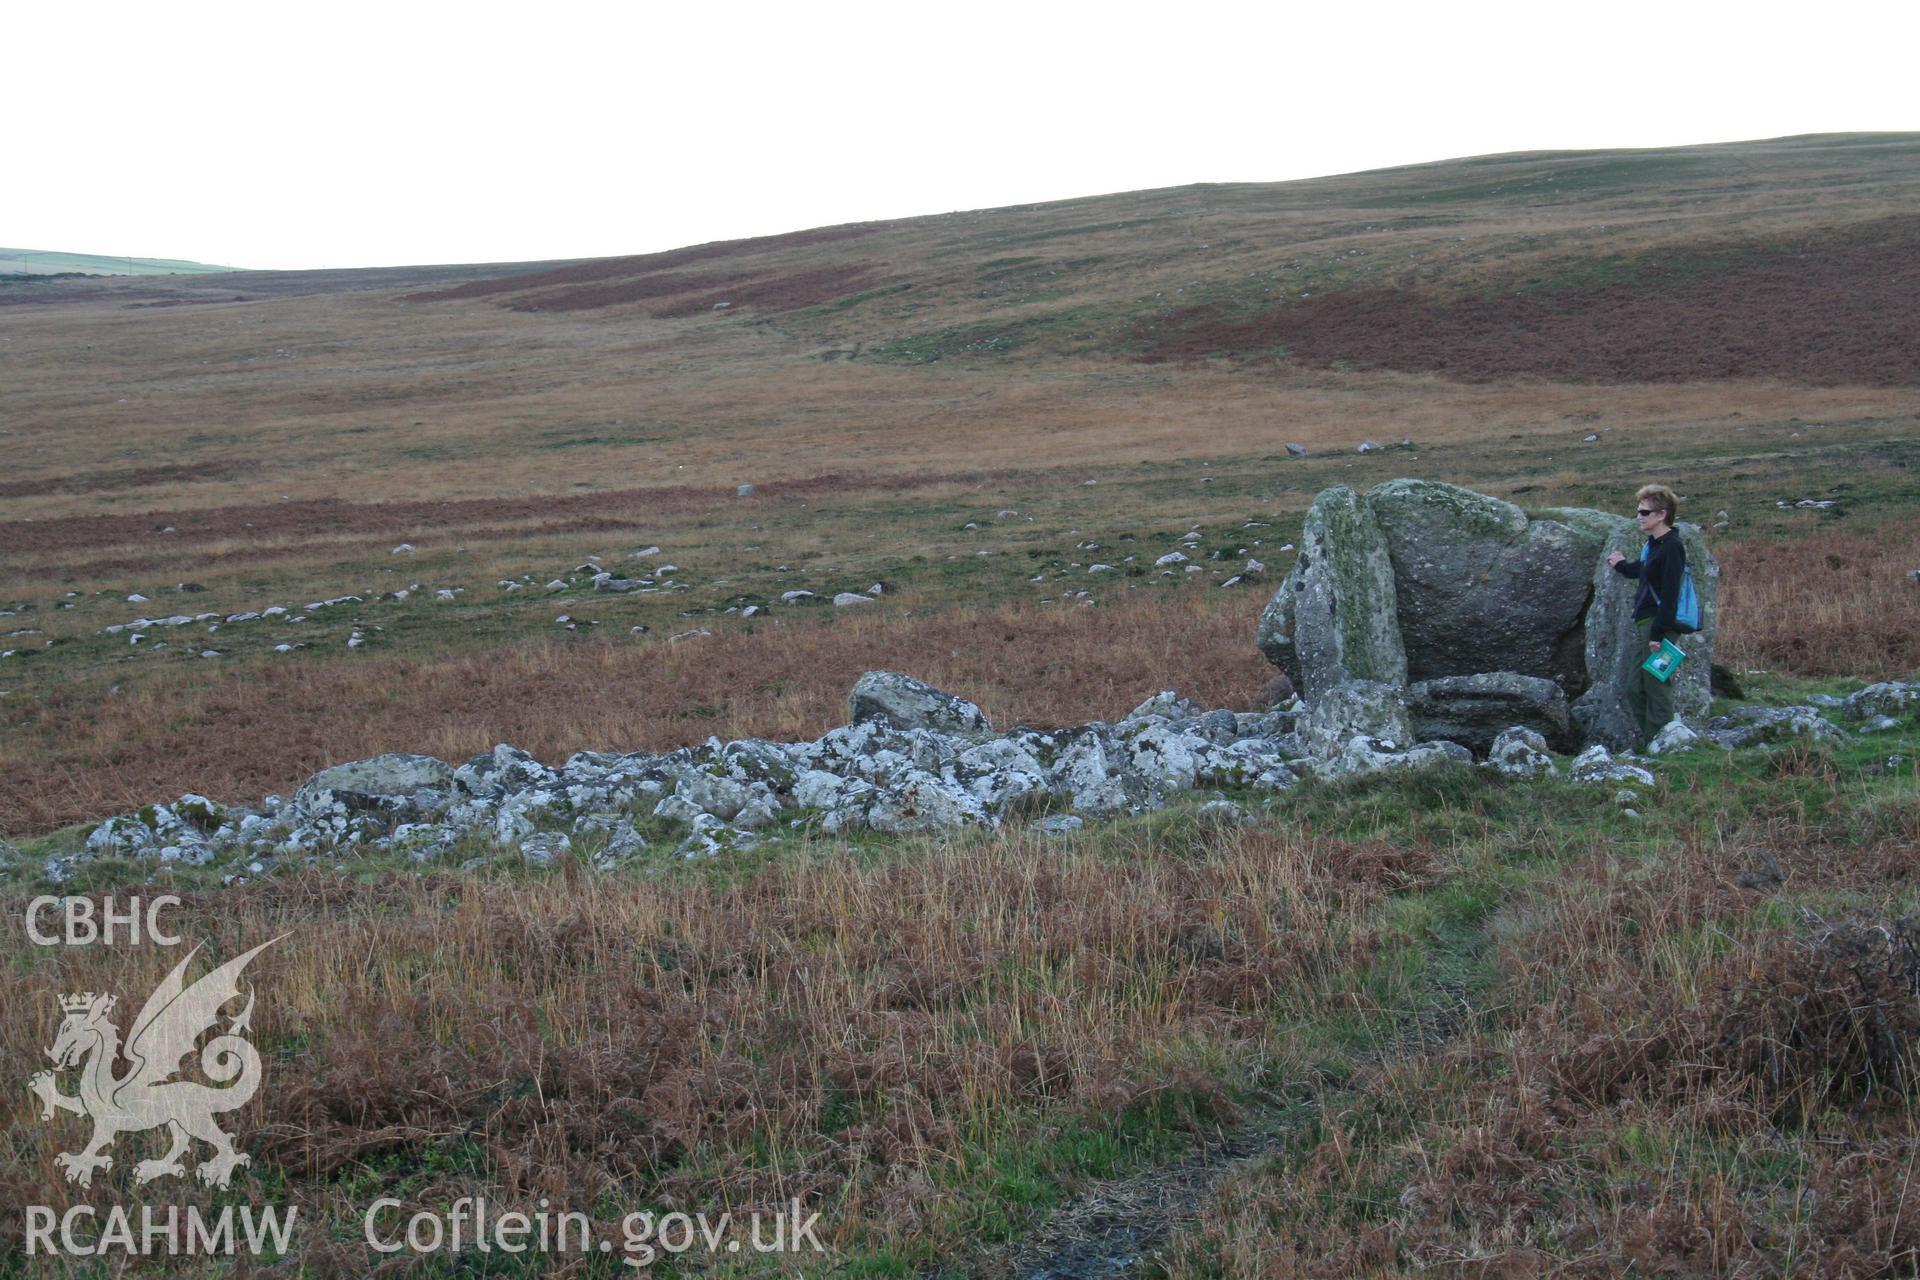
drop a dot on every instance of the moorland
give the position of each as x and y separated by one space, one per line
1453 1022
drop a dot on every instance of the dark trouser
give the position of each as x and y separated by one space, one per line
1650 700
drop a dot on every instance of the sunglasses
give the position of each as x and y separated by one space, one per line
1643 512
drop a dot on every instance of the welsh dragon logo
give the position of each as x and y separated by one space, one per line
147 1097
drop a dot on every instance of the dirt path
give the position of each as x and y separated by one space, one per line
1113 1228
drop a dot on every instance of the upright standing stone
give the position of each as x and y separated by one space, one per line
1614 651
1335 618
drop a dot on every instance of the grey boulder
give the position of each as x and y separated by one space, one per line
395 784
1482 587
907 703
1351 708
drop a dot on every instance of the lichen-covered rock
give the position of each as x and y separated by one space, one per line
922 802
503 769
1166 754
1888 698
720 796
1165 705
1677 735
677 808
1335 616
853 749
517 814
1092 774
393 784
907 703
543 848
1252 762
1472 710
1753 726
1355 708
1004 774
1596 764
1363 755
1481 587
820 789
1520 752
756 760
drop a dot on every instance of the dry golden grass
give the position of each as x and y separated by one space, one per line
1836 605
1672 1085
822 1029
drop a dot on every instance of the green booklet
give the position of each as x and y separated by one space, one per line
1662 663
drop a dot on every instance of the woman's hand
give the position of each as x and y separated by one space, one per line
1653 646
1615 558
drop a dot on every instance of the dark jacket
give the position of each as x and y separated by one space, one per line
1659 576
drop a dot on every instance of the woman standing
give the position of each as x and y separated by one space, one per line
1659 571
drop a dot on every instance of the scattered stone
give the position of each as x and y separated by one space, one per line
1368 446
1296 451
1675 735
1059 824
743 491
851 597
1888 698
795 597
404 549
1755 726
1596 764
543 848
1520 753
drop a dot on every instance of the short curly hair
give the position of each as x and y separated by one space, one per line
1658 495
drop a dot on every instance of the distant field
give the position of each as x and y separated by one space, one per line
39 262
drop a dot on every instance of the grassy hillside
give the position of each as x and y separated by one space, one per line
40 262
1447 1023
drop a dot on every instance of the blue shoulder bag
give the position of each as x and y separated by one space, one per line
1686 613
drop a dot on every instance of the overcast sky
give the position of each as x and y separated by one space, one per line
353 134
